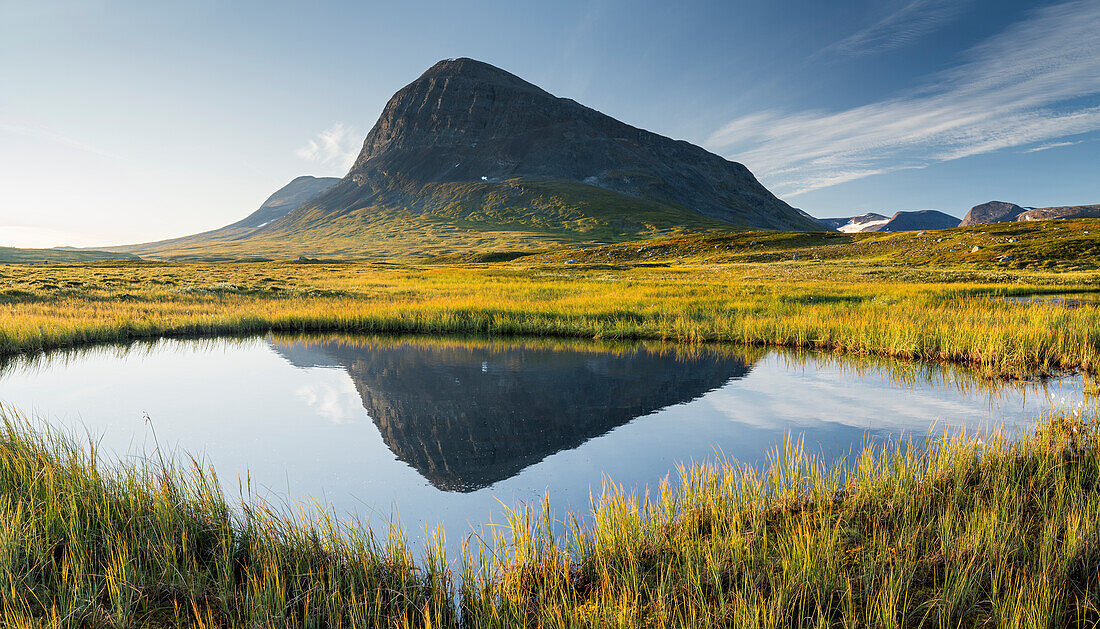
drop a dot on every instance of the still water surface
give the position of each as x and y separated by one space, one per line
451 432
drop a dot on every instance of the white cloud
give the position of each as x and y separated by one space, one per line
336 401
904 24
338 145
1036 82
1051 145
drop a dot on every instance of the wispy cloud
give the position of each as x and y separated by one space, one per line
1036 82
906 22
1051 145
55 138
338 146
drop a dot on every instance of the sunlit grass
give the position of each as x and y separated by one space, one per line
942 315
88 543
1051 245
955 532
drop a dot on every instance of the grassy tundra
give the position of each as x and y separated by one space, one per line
935 313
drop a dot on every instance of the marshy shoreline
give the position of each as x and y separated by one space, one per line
960 530
943 315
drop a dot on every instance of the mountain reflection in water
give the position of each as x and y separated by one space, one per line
466 416
457 433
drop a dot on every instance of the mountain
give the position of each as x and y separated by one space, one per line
464 120
992 212
1065 211
919 220
285 200
469 156
1002 212
282 202
863 222
466 415
916 220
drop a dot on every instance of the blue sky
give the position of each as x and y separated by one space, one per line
130 121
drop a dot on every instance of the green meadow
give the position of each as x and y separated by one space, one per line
993 318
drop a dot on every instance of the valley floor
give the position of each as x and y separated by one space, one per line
988 318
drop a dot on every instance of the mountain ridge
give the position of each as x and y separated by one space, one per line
1004 212
286 199
904 220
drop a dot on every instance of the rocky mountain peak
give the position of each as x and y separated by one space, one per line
468 121
455 103
992 212
464 68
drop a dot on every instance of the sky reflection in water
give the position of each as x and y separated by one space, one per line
452 431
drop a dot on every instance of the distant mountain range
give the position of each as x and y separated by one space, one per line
917 220
1003 212
469 156
991 212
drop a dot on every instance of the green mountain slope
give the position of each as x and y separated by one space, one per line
518 215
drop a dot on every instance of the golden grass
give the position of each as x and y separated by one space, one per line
932 314
955 532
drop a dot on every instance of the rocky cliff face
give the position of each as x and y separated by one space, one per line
467 121
1002 212
992 212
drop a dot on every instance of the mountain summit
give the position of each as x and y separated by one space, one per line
470 157
464 120
468 121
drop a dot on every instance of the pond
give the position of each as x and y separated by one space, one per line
451 432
